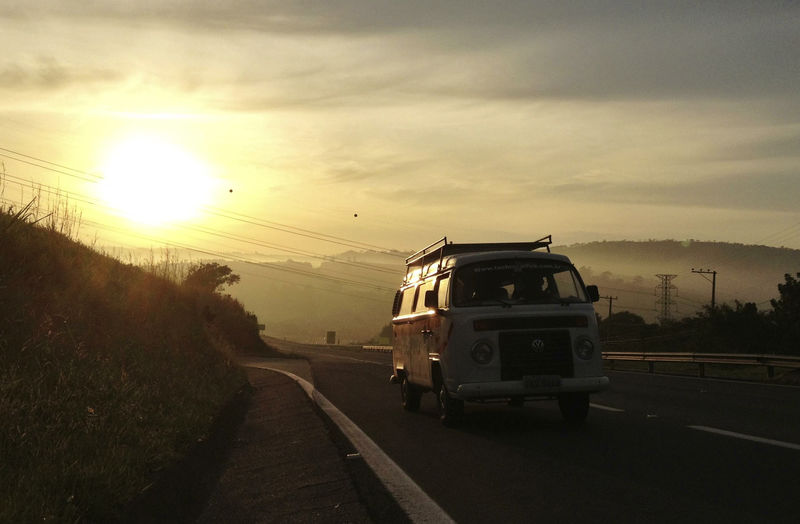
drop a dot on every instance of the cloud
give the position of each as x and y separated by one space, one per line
766 191
48 74
515 51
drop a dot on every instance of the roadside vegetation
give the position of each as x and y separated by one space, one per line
109 373
738 328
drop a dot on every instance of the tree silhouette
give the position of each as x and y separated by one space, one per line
786 312
209 277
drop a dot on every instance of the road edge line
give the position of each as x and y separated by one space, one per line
743 436
606 408
409 496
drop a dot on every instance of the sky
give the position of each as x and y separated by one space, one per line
391 124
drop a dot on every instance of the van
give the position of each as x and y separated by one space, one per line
505 322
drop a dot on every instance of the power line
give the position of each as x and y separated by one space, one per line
337 279
73 175
341 280
61 193
712 272
315 288
610 302
277 225
636 291
324 237
62 166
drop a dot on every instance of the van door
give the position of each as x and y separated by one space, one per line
403 330
425 327
435 328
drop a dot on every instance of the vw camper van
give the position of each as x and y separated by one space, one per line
504 322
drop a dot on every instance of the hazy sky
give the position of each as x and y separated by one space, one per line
485 121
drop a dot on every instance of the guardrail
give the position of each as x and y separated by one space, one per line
701 359
382 349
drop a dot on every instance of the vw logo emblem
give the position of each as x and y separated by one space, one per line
537 345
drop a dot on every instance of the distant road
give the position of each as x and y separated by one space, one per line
655 448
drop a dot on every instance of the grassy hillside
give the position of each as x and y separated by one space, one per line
108 374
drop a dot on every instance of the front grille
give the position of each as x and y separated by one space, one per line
535 353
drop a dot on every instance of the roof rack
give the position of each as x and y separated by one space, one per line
429 254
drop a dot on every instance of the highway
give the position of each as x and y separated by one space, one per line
654 449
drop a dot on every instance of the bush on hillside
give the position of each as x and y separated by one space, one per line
225 316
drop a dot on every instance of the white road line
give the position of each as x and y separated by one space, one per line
742 436
361 360
607 408
415 502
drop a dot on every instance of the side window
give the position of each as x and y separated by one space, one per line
398 297
407 301
444 291
426 286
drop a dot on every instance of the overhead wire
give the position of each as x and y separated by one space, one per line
172 243
324 237
85 199
220 255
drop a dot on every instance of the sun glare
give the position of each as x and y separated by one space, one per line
154 182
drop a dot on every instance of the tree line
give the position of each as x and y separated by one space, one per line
737 328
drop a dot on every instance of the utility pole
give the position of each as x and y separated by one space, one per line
665 298
610 302
713 274
608 326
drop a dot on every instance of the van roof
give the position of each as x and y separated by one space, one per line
431 259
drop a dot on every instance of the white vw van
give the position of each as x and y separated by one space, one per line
495 322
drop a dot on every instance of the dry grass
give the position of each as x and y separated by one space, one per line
108 373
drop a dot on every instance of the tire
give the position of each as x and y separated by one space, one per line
409 395
451 410
574 407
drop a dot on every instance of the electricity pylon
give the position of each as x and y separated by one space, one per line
665 298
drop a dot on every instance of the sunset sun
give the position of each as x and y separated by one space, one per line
154 182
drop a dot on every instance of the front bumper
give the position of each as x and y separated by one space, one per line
517 388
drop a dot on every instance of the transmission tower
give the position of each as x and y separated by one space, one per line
664 291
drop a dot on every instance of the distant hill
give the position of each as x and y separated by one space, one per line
301 300
627 269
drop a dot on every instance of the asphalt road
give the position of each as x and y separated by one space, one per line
654 449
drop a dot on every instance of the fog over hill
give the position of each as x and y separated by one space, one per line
351 293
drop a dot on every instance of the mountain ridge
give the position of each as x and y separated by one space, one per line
305 306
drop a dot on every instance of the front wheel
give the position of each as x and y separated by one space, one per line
574 407
409 395
451 410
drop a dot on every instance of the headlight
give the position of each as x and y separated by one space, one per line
584 348
482 352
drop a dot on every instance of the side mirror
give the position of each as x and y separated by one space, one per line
431 299
594 293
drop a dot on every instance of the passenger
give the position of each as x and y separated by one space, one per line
532 287
489 291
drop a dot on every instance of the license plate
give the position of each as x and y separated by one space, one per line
541 381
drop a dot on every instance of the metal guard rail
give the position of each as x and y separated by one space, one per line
770 361
701 359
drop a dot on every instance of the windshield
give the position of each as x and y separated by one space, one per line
515 281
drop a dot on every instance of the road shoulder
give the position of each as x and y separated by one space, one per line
283 465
